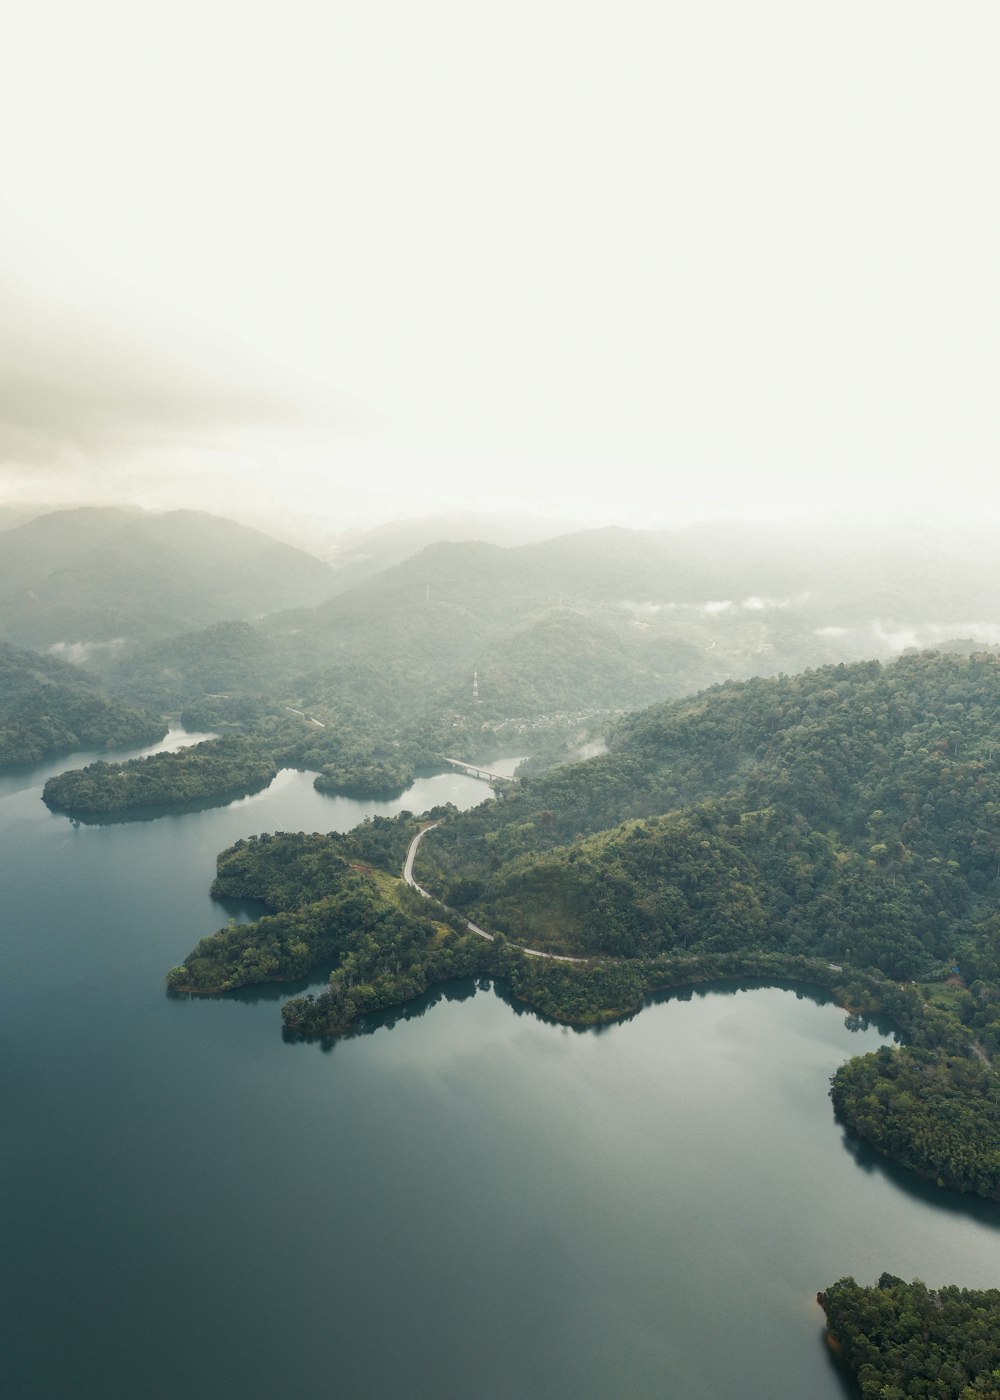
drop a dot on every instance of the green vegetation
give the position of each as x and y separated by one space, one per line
237 763
847 812
326 905
938 1114
903 1341
837 827
313 886
229 767
47 706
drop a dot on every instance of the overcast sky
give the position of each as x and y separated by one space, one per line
367 257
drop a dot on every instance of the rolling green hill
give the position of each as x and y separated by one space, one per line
849 811
48 706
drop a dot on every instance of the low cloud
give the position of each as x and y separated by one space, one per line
899 637
757 604
88 385
81 652
929 634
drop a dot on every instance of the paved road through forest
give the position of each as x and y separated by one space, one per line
473 928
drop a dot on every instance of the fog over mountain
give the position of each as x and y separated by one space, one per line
72 580
370 261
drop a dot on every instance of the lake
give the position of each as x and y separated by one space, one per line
471 1203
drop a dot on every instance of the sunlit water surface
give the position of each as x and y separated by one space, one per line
472 1203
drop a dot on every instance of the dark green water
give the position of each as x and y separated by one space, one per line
470 1204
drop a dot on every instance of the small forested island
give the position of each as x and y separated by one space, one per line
901 1340
241 761
231 766
836 828
48 706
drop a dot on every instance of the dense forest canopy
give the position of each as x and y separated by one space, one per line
230 766
331 899
903 1341
849 811
48 706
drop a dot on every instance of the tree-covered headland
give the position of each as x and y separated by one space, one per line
837 827
331 900
904 1341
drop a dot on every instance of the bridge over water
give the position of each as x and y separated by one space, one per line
476 770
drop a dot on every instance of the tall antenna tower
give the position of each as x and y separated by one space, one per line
475 686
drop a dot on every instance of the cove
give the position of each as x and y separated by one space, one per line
473 1202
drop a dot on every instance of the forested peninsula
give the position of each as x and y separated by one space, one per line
905 1341
837 827
331 899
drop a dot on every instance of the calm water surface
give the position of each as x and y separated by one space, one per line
472 1203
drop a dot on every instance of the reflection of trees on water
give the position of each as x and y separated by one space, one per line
463 989
918 1188
165 811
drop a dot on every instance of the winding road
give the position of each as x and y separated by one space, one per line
473 928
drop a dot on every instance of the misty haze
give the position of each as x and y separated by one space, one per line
499 701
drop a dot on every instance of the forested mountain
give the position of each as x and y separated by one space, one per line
669 611
328 901
101 575
601 619
48 706
848 811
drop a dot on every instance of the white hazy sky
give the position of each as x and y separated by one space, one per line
657 260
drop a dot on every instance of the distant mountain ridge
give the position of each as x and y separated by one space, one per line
98 574
595 620
358 555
